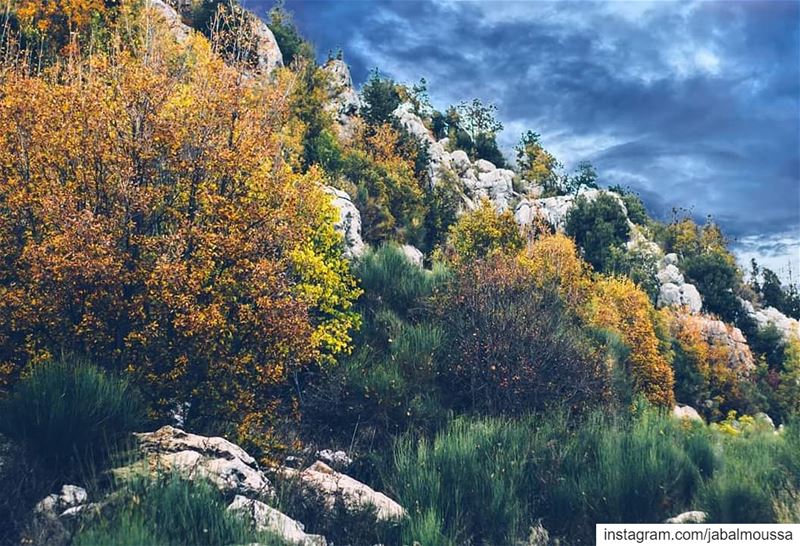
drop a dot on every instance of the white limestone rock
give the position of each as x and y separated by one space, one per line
172 18
483 166
343 101
268 54
355 495
694 516
686 412
223 463
413 254
670 274
336 459
349 224
788 327
268 519
460 162
57 504
683 295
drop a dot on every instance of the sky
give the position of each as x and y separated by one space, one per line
691 104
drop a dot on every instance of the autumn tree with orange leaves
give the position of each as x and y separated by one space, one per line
150 216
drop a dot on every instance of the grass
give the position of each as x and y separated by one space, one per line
489 481
169 510
70 415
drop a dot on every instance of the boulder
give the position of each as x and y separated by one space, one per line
686 412
669 259
349 224
267 519
694 516
343 101
483 166
413 254
51 523
669 274
726 337
683 295
460 162
69 498
223 463
355 495
172 18
336 459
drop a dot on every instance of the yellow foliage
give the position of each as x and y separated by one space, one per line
150 216
619 305
553 261
484 231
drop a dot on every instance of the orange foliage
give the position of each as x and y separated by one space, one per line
149 218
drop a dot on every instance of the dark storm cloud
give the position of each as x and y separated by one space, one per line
691 104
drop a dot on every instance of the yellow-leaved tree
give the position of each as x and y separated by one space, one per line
151 216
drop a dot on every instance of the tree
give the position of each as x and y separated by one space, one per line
598 226
537 165
772 290
292 45
380 99
617 304
585 175
716 278
484 231
474 129
150 216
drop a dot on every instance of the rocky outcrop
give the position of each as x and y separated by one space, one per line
694 516
216 459
54 516
674 292
349 223
725 337
267 519
267 54
769 316
343 102
355 495
555 209
172 18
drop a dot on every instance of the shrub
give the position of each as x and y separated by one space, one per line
70 415
598 226
706 372
617 304
388 384
553 263
169 510
511 346
483 231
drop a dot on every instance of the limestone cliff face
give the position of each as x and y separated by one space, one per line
178 16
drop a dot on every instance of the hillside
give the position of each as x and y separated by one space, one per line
242 301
